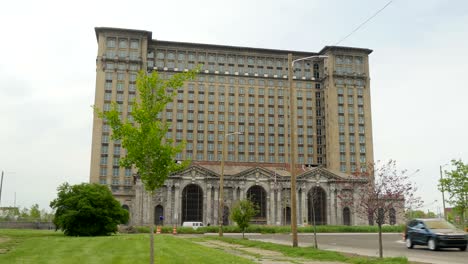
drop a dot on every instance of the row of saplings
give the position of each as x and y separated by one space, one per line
91 210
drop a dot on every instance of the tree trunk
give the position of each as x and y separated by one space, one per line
152 243
243 230
315 227
152 216
380 241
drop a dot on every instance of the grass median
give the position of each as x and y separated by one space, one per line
34 246
309 252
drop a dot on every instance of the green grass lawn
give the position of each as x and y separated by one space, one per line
35 246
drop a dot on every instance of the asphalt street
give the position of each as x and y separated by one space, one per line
367 244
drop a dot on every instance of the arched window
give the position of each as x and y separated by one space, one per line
257 195
317 206
126 208
192 203
346 216
159 215
226 216
392 216
287 215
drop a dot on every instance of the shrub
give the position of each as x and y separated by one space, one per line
87 210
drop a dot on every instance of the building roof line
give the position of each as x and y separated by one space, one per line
237 48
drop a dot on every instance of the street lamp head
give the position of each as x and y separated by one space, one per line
310 57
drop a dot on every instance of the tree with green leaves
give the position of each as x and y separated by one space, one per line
87 210
382 190
242 213
147 148
456 184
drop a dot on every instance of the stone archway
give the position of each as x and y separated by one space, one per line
226 216
128 210
192 203
346 216
257 195
392 216
158 215
287 215
317 206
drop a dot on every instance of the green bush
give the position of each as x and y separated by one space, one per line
87 210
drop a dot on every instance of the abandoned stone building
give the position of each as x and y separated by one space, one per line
239 101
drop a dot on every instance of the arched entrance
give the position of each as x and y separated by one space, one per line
192 204
226 216
128 210
392 216
257 195
159 215
287 215
346 216
317 206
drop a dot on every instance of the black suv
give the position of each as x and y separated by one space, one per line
435 233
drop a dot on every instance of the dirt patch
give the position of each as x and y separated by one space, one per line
3 240
258 255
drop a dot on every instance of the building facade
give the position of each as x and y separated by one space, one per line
239 90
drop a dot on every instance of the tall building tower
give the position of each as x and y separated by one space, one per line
245 90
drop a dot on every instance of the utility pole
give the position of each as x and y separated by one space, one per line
442 190
292 107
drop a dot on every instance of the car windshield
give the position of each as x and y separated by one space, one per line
439 225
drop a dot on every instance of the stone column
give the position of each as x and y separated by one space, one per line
177 202
234 195
355 220
216 206
333 220
339 211
279 206
208 205
272 206
168 214
304 207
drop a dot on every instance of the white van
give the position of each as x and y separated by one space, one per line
193 225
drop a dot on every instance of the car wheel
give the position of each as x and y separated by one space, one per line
463 248
409 243
432 244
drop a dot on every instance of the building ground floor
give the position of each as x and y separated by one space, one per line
192 195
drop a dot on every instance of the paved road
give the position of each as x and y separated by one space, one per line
367 244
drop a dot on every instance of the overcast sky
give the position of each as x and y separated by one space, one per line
47 75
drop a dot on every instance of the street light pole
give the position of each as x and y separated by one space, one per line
292 107
442 190
292 161
221 185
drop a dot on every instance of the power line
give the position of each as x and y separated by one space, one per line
363 23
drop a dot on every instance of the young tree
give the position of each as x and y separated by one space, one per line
87 210
383 190
456 184
145 142
242 213
34 212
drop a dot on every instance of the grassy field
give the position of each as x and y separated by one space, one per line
34 246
